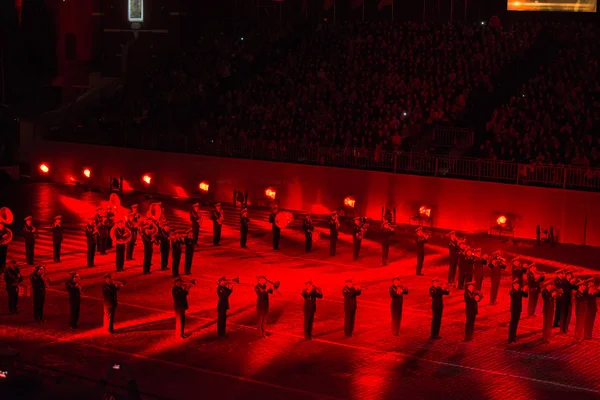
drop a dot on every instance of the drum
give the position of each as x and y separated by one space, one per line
283 219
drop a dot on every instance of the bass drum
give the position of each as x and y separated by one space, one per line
283 219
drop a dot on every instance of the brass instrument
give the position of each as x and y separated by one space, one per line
127 236
7 237
187 285
401 290
388 226
477 294
6 217
362 226
150 229
120 283
234 280
274 284
114 201
283 219
155 212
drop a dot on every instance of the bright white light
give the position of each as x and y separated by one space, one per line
135 10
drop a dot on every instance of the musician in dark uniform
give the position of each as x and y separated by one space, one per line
560 282
30 233
308 228
148 241
190 245
216 217
472 299
549 295
533 283
164 240
196 219
12 277
74 289
103 234
496 265
132 227
90 236
358 231
244 222
136 221
180 293
437 293
592 295
39 283
334 226
120 233
262 303
516 307
453 250
518 271
176 243
110 223
350 294
98 217
570 288
5 238
223 291
276 230
462 252
109 290
421 239
581 310
310 294
479 262
465 267
57 237
397 292
388 229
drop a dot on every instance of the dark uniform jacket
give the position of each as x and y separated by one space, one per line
471 303
397 299
272 220
333 228
592 304
109 290
532 283
57 233
437 297
516 300
244 221
310 300
28 233
262 297
350 294
12 277
73 290
581 301
223 292
89 234
180 298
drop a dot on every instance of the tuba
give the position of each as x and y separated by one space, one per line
114 201
6 217
154 212
127 236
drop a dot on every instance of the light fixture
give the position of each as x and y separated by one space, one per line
87 173
270 193
203 187
44 168
350 202
147 179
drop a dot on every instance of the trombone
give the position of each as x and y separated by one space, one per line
275 284
234 280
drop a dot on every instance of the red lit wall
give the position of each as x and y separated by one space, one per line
457 204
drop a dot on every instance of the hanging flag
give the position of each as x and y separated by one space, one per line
385 3
328 4
356 3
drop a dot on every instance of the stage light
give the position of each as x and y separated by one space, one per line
425 211
147 179
44 168
87 173
350 202
501 220
72 179
270 193
203 187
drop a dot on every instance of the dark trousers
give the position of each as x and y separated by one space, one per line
189 256
3 252
420 260
120 251
38 306
179 321
261 316
243 236
396 320
349 317
216 234
164 254
129 250
478 276
436 322
276 237
547 325
558 311
222 323
515 316
309 318
332 245
469 273
109 317
29 246
102 244
308 242
176 261
91 252
534 295
74 306
356 250
56 246
462 275
385 251
195 231
470 326
13 299
589 325
452 269
580 327
494 290
147 256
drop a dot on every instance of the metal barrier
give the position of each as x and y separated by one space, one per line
453 137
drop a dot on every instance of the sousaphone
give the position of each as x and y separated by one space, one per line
6 217
154 212
283 219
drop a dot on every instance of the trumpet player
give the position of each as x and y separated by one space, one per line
497 265
135 226
308 228
196 219
39 283
518 270
109 291
421 240
164 240
570 287
262 303
334 226
472 299
534 279
350 294
244 223
30 233
217 218
453 251
581 310
562 302
310 294
12 278
74 288
91 234
592 295
57 237
190 245
465 267
120 234
176 243
180 292
149 231
549 295
103 234
397 292
437 293
132 226
275 229
388 229
359 228
516 307
223 291
479 262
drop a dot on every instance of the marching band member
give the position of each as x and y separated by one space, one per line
91 234
217 218
350 293
560 282
176 242
516 307
465 267
74 288
570 287
39 283
30 233
149 231
196 219
518 271
12 277
103 234
244 221
581 310
133 228
110 223
421 239
397 292
453 250
479 262
496 265
437 293
109 290
592 294
388 230
533 282
223 291
136 223
190 245
180 293
5 237
310 294
549 295
57 237
308 228
98 216
334 226
275 229
164 240
120 233
462 251
262 303
359 228
472 299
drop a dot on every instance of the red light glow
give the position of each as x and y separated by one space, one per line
270 193
147 179
44 168
501 220
180 192
72 179
203 187
349 202
425 211
87 173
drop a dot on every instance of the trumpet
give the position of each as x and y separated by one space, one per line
188 284
274 284
229 281
119 283
401 290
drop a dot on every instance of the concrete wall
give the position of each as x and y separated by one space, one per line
457 204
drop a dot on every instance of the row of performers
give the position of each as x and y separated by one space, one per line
585 296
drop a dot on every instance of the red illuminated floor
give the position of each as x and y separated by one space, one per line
372 365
